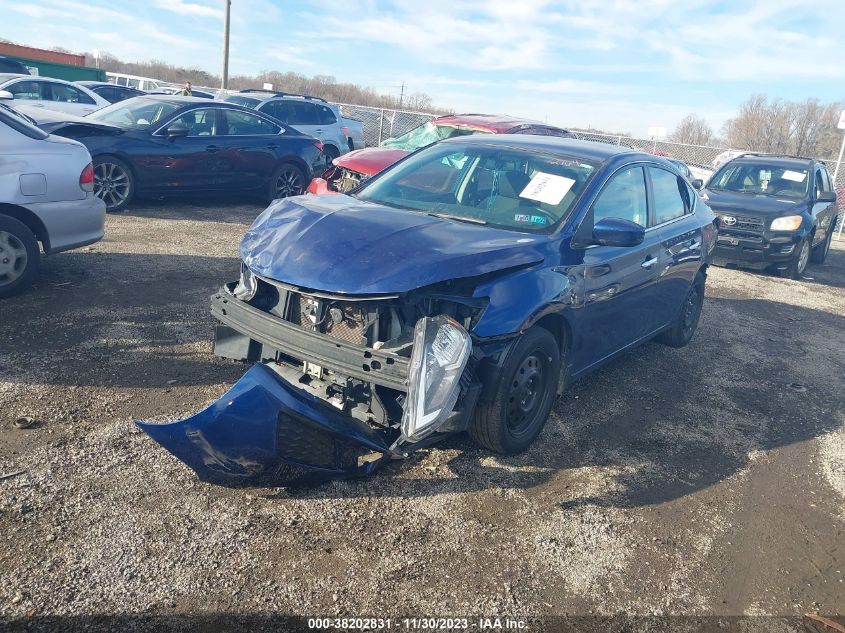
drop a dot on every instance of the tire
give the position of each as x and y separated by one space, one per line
820 252
114 183
330 152
682 330
288 180
798 265
20 256
524 396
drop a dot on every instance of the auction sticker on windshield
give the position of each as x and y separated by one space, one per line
547 188
795 176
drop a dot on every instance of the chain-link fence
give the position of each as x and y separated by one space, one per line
381 124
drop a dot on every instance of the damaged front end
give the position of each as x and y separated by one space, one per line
339 384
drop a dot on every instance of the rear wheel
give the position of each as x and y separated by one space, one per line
19 256
820 252
330 152
687 322
288 180
114 183
526 392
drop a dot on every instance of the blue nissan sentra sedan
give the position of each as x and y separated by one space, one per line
461 289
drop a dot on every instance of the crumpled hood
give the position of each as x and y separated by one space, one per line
370 160
342 245
738 203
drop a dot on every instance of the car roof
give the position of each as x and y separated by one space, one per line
496 123
96 84
8 76
588 150
179 99
777 160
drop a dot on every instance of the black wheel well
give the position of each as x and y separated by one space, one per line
559 327
32 221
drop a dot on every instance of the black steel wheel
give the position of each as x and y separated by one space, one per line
681 332
513 419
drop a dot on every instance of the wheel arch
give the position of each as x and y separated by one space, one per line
31 220
561 329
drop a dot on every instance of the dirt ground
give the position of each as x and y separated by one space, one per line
706 481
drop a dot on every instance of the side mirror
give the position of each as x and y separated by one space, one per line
826 196
177 130
617 232
5 94
697 183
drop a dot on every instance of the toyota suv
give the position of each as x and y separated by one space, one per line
310 115
774 212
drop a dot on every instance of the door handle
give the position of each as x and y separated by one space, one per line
272 146
318 131
213 148
651 261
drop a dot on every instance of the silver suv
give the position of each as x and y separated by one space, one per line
46 195
310 115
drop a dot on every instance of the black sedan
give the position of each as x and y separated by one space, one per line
156 144
112 92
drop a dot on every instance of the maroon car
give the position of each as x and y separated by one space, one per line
348 170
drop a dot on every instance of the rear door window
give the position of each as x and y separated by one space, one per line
68 94
669 197
302 113
245 124
325 116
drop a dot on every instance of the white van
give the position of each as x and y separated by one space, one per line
134 81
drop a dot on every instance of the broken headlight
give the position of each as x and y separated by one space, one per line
247 284
441 350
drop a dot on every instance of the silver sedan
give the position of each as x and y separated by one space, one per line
46 196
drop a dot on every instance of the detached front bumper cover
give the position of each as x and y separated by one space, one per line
264 431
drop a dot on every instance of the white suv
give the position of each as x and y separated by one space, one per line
310 115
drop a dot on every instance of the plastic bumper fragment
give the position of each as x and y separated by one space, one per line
266 432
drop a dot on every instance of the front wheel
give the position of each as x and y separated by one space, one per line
798 266
820 252
288 180
681 331
114 183
19 256
524 397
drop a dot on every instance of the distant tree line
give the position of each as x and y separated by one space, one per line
800 128
324 86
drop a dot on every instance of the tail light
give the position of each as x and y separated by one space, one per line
318 145
345 130
86 178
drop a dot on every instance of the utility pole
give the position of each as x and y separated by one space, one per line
227 4
402 94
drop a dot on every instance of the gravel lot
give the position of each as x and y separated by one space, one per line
707 481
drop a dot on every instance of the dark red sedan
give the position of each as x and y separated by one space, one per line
348 170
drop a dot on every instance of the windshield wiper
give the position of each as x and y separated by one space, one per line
459 218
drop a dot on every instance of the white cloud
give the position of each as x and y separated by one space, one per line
189 8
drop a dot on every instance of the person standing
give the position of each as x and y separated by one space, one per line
186 91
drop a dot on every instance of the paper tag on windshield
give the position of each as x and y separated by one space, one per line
547 188
795 176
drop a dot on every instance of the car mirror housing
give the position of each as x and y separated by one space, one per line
177 130
826 196
697 183
617 232
5 94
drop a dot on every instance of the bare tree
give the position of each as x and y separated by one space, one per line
692 130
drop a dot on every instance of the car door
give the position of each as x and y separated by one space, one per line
250 143
824 213
68 99
680 240
618 281
187 163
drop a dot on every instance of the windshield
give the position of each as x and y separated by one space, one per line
761 179
504 187
138 113
425 134
247 102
